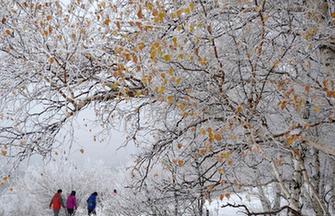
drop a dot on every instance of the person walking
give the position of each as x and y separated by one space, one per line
114 192
57 202
71 203
92 203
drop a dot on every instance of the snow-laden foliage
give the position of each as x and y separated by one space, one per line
34 186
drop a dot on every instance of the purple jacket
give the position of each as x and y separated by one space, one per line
71 202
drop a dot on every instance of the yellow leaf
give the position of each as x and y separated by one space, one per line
8 32
114 86
167 58
51 60
316 109
171 71
170 99
221 197
178 80
275 63
160 90
179 145
230 162
146 79
291 139
140 46
226 154
139 13
203 61
310 33
181 163
202 151
155 45
210 187
138 93
174 41
221 170
153 54
325 84
161 15
202 132
191 6
181 106
46 33
223 156
191 28
187 10
127 56
134 58
238 109
49 17
3 152
332 14
307 88
179 12
3 20
282 104
149 6
210 136
107 21
330 93
118 50
218 137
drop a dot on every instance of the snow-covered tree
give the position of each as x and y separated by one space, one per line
33 189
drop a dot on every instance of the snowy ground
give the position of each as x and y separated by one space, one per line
214 207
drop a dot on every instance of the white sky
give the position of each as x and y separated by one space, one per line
106 150
85 129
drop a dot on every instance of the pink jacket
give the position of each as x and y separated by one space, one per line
71 202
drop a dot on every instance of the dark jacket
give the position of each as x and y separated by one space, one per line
92 202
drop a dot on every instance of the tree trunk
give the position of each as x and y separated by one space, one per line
296 185
315 180
266 204
332 167
201 200
276 204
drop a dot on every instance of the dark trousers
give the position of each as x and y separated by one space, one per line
70 212
91 212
